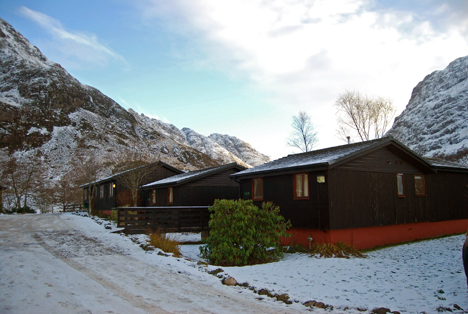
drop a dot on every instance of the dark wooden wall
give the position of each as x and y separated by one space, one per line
108 202
363 192
303 213
201 192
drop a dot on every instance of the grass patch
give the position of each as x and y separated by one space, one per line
164 242
340 250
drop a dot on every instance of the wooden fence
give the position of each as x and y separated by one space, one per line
72 207
166 219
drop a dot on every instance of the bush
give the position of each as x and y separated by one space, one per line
241 233
341 250
162 241
21 210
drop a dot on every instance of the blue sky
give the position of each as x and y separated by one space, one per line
244 68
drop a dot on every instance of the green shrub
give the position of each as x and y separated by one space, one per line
241 233
21 210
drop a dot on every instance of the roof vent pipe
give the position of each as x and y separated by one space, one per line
349 139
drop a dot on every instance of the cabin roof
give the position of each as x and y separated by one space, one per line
115 175
191 176
447 165
327 158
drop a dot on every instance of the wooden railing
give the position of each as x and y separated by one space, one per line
72 207
165 219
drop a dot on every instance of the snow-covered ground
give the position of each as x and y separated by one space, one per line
46 262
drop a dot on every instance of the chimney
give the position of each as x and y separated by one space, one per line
349 139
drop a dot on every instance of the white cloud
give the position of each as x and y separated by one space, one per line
305 53
74 49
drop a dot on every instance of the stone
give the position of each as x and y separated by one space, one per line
230 282
282 297
381 310
309 303
216 271
320 305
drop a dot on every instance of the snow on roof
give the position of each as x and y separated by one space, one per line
191 175
447 164
119 173
327 156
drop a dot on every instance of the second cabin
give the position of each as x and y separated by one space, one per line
194 188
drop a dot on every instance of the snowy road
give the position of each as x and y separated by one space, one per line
48 265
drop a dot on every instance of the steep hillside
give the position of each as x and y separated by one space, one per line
435 121
44 109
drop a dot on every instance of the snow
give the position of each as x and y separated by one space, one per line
409 278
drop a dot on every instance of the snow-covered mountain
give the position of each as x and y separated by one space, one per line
44 109
435 121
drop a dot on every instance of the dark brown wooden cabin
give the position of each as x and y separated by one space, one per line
194 188
109 192
367 194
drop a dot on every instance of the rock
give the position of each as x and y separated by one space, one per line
230 282
361 309
457 307
216 271
320 305
381 310
309 303
282 297
265 292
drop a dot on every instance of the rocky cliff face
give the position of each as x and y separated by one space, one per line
435 121
43 108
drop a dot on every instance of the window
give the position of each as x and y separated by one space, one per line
419 185
170 195
400 185
257 189
153 196
85 191
301 186
101 191
111 189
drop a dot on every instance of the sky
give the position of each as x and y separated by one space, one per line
245 68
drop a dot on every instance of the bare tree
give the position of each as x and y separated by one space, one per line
363 117
303 135
67 189
134 170
23 176
89 173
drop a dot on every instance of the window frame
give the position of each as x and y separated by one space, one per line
296 197
86 194
423 179
402 176
254 198
111 189
101 191
170 195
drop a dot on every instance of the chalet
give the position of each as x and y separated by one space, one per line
365 194
194 188
110 192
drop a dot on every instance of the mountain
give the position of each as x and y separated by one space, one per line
435 121
44 109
